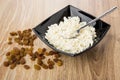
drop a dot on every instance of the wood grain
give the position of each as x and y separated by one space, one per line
100 63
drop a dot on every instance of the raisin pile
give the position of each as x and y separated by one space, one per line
17 55
41 54
22 37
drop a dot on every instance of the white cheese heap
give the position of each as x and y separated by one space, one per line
67 28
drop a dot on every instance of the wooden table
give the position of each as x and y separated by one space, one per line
99 63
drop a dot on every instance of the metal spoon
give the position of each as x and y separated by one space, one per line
94 20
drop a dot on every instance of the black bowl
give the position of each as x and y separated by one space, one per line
100 26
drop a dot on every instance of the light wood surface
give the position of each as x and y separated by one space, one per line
100 63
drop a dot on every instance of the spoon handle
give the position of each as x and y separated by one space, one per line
94 20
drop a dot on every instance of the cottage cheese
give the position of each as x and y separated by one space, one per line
67 28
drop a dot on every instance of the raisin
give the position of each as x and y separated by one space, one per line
11 62
41 54
57 55
27 35
19 33
20 43
9 42
12 52
6 63
17 62
39 50
26 66
34 37
43 57
9 39
39 61
50 66
8 54
22 49
12 56
39 58
44 66
59 63
36 53
14 59
29 30
31 48
18 57
46 53
22 54
12 66
13 33
37 67
16 50
50 62
44 49
22 61
17 40
51 52
55 60
32 58
25 42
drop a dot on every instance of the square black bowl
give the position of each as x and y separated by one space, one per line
100 26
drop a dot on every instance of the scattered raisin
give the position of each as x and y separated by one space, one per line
51 52
26 66
37 67
36 53
17 62
12 66
8 54
25 42
31 48
19 33
23 49
55 60
22 61
57 55
6 63
39 50
9 39
32 58
12 56
16 56
22 54
59 63
43 50
17 40
50 62
29 30
41 54
39 61
46 53
50 66
44 66
43 57
13 33
34 37
16 50
9 42
20 43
